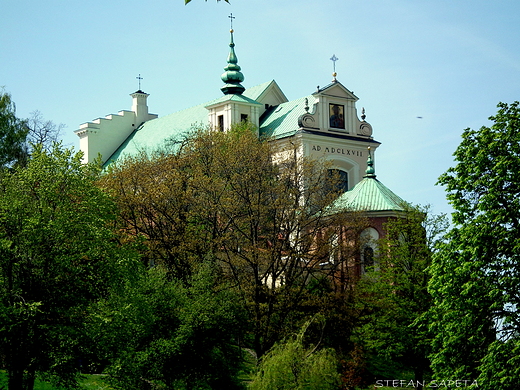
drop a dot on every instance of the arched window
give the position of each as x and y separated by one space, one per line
369 239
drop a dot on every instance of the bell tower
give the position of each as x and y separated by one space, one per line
233 107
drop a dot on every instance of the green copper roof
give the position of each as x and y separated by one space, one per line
233 98
369 195
154 134
255 92
283 120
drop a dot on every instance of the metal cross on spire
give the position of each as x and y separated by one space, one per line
139 78
231 17
334 59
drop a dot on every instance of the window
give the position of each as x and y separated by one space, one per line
368 258
243 117
221 123
336 116
338 181
368 254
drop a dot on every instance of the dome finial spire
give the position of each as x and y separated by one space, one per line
139 78
370 171
231 17
232 75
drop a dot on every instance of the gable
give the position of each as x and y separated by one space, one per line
268 95
337 90
330 111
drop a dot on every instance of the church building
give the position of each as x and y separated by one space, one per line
324 123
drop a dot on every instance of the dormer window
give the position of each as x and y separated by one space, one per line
336 116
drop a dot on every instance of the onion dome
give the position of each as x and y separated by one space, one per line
232 77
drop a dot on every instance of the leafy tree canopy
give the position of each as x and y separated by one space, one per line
475 275
290 365
393 296
57 255
259 212
13 131
159 333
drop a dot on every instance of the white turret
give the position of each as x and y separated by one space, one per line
139 106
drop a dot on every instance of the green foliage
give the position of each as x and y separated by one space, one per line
500 368
40 133
245 204
57 256
394 296
163 334
87 382
476 274
13 131
289 365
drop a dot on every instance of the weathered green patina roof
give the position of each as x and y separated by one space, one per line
153 134
283 120
369 195
233 98
232 75
278 122
255 92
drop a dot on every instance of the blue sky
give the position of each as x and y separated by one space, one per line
449 62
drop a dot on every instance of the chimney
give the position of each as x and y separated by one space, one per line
139 107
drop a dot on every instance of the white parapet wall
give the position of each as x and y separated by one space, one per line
103 136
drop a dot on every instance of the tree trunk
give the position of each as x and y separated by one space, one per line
419 377
29 380
18 379
15 380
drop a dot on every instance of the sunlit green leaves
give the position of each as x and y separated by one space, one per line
394 298
161 332
12 131
253 208
476 274
290 365
57 255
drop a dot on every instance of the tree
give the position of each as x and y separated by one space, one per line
393 297
42 132
57 256
159 333
39 132
13 131
290 365
475 275
261 213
